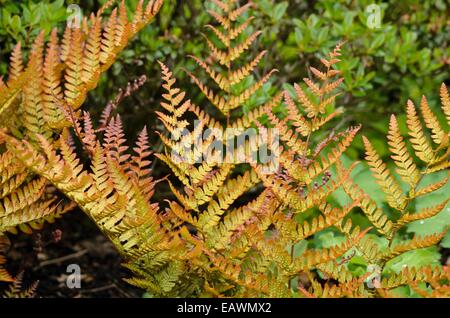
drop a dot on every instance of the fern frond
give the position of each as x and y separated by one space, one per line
422 214
114 142
4 275
16 63
74 91
406 166
420 143
390 187
431 122
369 207
431 187
91 58
15 290
445 100
416 243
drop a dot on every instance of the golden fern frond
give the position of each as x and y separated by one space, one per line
51 85
91 58
431 187
221 81
321 90
420 143
173 97
408 275
74 90
369 207
228 193
431 122
445 100
416 243
407 169
230 100
15 289
140 165
391 188
16 63
319 165
422 214
114 142
4 275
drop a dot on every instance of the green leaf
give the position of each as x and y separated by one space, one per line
323 35
377 41
357 266
298 36
280 10
57 4
445 243
16 24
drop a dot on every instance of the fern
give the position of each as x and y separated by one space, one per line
237 227
42 93
15 289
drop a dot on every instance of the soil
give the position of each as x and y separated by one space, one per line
45 256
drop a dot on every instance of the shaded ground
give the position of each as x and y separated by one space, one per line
73 239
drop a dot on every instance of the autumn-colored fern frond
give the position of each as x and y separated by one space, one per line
15 289
39 101
390 186
16 63
228 56
433 158
407 169
25 202
115 193
412 165
4 275
433 275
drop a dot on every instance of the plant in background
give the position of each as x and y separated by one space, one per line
21 22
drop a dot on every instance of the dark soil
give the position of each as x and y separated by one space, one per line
73 239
